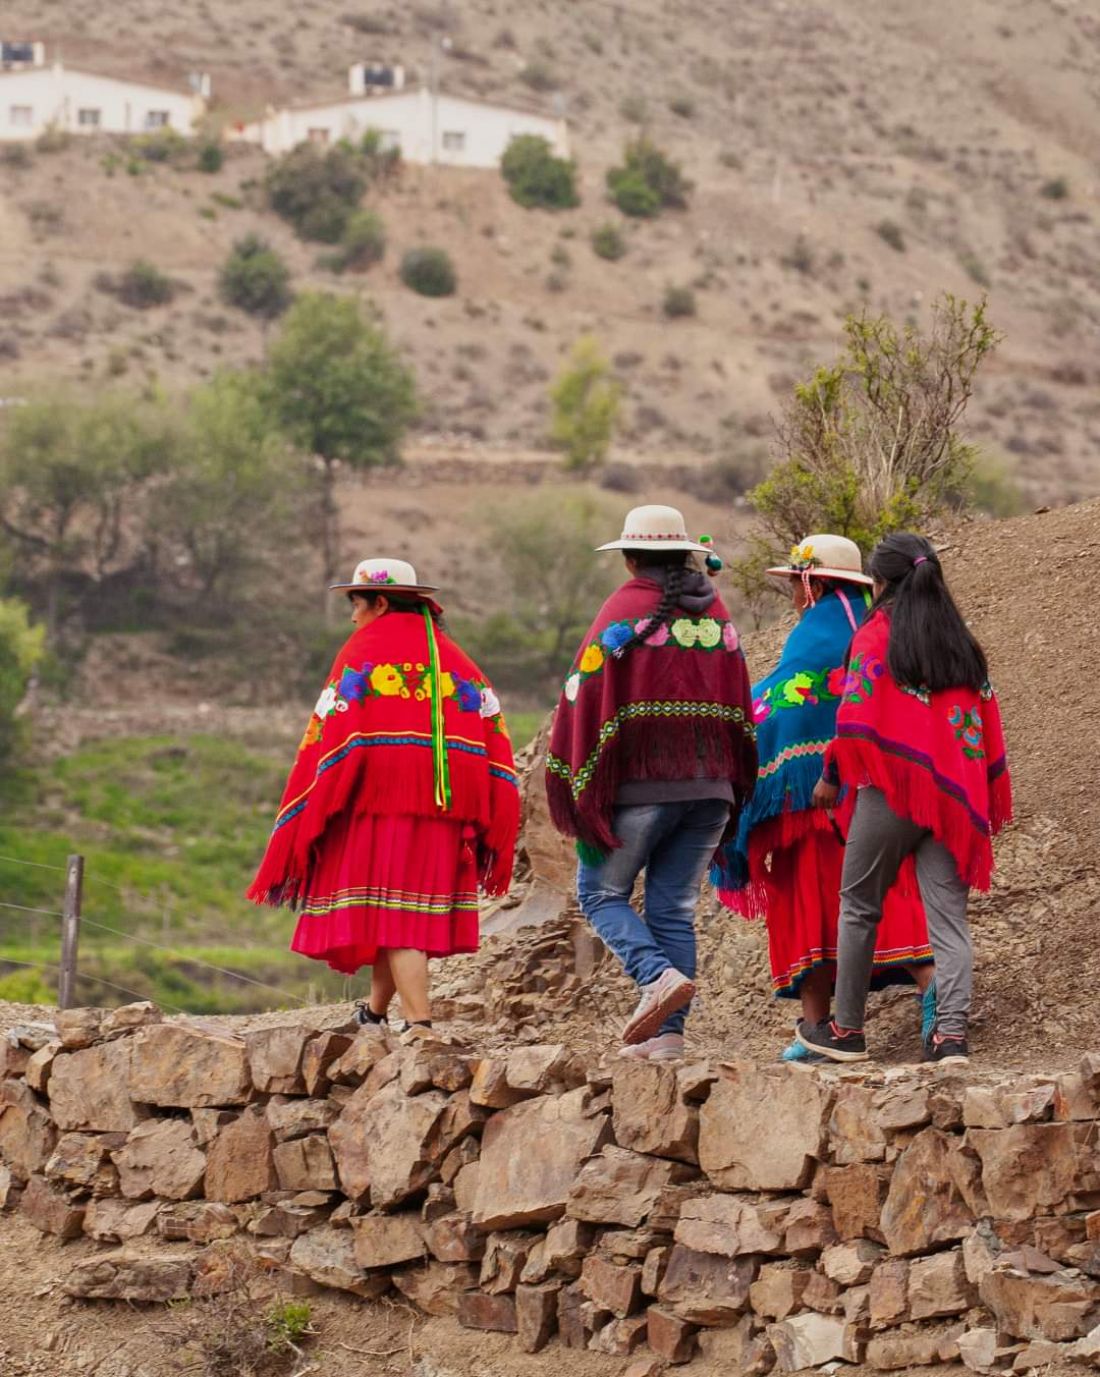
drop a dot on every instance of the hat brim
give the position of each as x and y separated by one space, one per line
848 575
655 545
421 589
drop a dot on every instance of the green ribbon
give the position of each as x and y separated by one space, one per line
440 765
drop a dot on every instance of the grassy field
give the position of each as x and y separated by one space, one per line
171 830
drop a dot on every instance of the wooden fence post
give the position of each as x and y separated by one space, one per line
70 930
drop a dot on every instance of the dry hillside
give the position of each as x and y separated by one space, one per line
843 154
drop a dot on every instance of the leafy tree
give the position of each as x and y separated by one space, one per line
21 647
255 279
552 581
429 272
648 180
316 191
873 444
585 400
229 507
340 392
70 467
536 177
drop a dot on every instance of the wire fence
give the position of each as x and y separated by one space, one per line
72 921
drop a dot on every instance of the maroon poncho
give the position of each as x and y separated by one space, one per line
676 706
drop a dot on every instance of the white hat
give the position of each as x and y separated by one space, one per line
655 528
383 576
824 557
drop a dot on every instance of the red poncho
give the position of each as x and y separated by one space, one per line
938 757
369 749
676 706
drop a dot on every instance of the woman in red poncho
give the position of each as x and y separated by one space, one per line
919 745
402 800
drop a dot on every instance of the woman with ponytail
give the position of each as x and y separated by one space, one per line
919 746
784 863
652 754
402 801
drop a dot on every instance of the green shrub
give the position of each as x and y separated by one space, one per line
800 257
317 191
364 241
539 76
974 268
633 194
161 146
429 271
634 108
891 233
1057 189
20 651
683 106
679 301
53 140
536 177
255 279
609 242
647 181
16 156
211 157
143 285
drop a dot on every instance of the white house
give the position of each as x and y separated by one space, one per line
37 98
425 127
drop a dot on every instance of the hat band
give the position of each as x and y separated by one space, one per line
665 535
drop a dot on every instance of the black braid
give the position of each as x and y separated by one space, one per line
665 609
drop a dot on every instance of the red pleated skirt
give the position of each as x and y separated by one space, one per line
795 862
390 881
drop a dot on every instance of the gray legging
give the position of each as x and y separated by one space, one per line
878 842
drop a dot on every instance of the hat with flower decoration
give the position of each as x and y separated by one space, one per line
384 576
824 557
655 528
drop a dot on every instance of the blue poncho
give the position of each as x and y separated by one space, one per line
795 709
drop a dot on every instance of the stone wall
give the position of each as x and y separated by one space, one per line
765 1216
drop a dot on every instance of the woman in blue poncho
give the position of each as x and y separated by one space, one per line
784 864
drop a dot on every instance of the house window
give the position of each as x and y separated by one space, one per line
318 135
454 141
157 119
21 116
88 119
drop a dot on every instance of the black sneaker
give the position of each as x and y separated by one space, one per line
848 1044
946 1047
367 1018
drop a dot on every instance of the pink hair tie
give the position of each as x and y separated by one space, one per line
920 559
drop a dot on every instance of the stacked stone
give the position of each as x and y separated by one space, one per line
768 1217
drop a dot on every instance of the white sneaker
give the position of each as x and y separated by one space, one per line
669 992
664 1047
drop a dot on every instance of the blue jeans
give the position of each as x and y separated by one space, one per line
673 843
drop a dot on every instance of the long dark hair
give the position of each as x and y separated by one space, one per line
931 646
677 566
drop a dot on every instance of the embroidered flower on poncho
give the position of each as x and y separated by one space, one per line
709 632
685 632
730 638
387 680
572 686
616 635
592 659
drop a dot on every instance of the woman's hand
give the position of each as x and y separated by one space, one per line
825 794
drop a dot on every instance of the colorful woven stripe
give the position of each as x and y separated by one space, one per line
439 740
401 900
800 751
